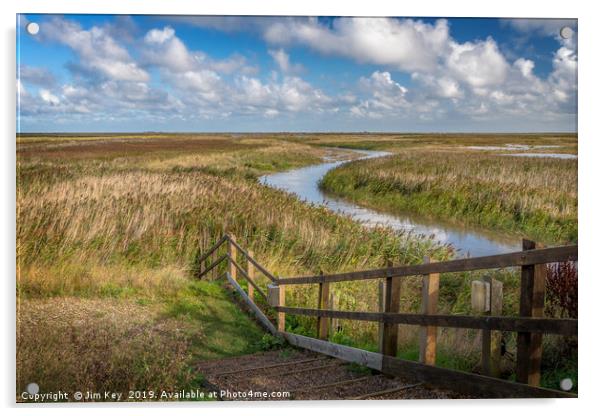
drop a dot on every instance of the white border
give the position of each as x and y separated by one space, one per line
590 137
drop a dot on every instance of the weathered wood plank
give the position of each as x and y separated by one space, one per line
537 311
335 384
251 278
212 249
520 258
252 260
214 264
323 322
383 392
428 334
466 383
251 281
309 370
492 340
392 299
381 308
355 355
258 313
523 339
268 367
498 323
232 257
462 382
281 304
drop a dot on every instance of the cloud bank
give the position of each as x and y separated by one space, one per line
413 72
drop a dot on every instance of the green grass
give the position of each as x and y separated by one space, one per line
224 329
396 142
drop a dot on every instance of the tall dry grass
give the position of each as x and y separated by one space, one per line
535 197
141 232
98 345
131 227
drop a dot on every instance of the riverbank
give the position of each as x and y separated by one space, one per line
534 198
306 182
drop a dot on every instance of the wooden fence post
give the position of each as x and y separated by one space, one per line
202 264
281 302
428 334
323 304
392 294
333 303
215 271
381 308
251 275
532 296
492 340
232 257
537 311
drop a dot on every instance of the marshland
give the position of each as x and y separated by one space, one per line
110 229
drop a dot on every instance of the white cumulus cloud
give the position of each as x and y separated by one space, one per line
401 44
97 49
478 64
283 61
48 97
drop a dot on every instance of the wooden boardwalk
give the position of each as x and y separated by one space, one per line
290 374
394 376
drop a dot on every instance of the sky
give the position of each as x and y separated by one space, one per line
108 73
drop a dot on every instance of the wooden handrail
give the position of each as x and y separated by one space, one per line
520 258
252 260
460 381
222 240
385 361
498 323
215 263
213 248
246 276
258 312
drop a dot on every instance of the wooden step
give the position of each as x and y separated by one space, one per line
304 375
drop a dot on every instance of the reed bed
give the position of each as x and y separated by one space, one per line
531 197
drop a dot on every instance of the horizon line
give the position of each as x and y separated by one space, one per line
292 132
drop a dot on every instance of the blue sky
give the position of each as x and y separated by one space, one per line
185 73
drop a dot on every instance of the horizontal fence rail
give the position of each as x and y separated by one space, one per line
529 326
459 381
258 313
520 258
213 265
228 239
213 248
242 271
498 323
252 260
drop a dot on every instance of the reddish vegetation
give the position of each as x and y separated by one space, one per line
126 146
561 287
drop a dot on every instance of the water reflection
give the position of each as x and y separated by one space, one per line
551 155
303 182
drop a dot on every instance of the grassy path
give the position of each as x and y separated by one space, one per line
108 344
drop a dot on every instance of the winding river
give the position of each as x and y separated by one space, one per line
468 241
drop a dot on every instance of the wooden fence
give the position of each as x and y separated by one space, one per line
529 326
